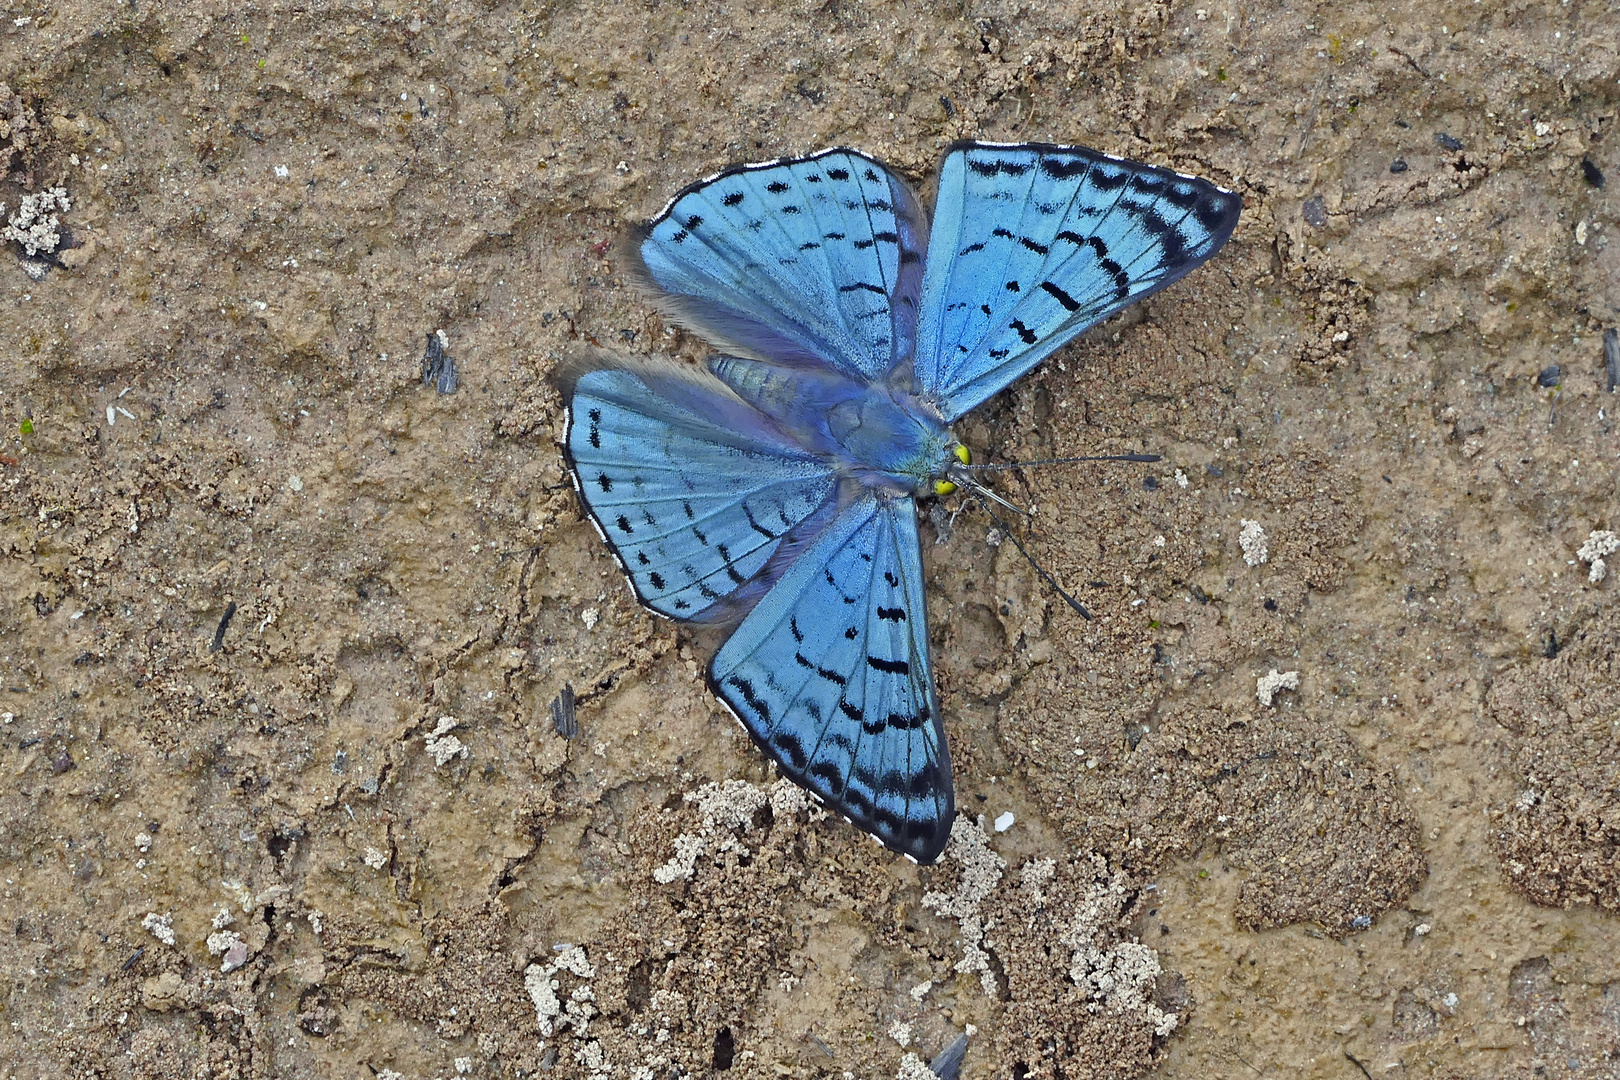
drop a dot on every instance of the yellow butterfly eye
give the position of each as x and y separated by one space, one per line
943 487
962 455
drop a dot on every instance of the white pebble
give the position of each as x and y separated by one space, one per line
1269 685
1253 542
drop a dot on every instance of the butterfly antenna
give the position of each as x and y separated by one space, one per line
982 495
1140 458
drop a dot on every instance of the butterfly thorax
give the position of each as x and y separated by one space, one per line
883 437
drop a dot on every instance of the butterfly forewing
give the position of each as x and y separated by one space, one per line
1032 244
813 260
830 674
684 482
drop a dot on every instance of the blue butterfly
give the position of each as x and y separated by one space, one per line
777 490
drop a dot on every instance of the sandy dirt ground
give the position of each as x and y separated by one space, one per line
249 562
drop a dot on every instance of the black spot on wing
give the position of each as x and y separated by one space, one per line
604 481
1064 168
889 667
733 198
792 750
776 187
1217 211
892 614
998 165
860 285
1168 236
657 580
702 586
624 525
756 526
1069 303
838 174
731 570
1028 336
908 723
1109 179
746 689
1122 280
831 777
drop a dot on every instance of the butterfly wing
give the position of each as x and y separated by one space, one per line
830 675
685 482
812 261
1033 243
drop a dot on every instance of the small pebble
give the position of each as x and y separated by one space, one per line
1398 165
1550 376
1448 142
1315 211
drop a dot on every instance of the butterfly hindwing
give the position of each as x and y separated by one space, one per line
1031 244
814 261
683 480
831 676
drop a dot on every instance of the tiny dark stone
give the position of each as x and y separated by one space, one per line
724 1050
1611 357
1550 376
1150 483
1399 165
1448 142
563 720
1214 470
1315 211
224 625
948 1064
1593 174
61 763
950 110
438 366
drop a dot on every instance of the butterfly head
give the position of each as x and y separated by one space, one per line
945 486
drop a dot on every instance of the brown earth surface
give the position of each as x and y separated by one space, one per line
248 560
